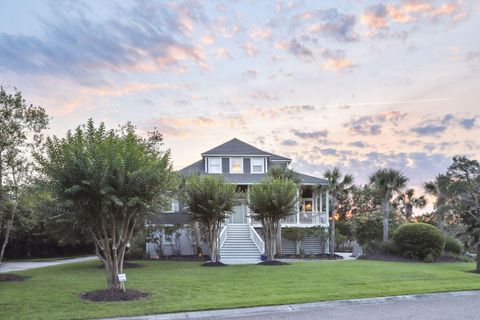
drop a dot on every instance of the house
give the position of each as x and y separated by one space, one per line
245 165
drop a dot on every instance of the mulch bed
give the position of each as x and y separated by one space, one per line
126 265
213 264
182 258
113 295
315 257
273 263
12 277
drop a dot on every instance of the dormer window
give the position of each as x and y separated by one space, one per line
236 165
258 165
214 165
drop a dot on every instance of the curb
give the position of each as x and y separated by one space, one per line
211 314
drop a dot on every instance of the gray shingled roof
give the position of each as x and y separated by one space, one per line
238 147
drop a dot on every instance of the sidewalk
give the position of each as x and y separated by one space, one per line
19 266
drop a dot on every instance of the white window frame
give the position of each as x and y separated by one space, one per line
174 206
210 165
262 160
241 164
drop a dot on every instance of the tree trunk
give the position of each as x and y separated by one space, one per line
478 256
196 232
385 213
332 226
408 212
278 245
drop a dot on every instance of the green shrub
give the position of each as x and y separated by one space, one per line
344 228
136 250
367 228
418 240
452 245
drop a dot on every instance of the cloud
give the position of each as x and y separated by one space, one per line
372 125
262 95
358 144
249 49
467 123
329 23
259 33
145 37
285 110
297 49
222 53
336 60
289 143
429 130
310 134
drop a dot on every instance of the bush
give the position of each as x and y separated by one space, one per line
452 245
136 250
368 228
419 240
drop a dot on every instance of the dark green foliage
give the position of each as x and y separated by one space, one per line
136 250
270 201
107 183
452 245
367 227
418 240
210 200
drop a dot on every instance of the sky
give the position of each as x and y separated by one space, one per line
350 83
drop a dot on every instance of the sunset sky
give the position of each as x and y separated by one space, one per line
355 84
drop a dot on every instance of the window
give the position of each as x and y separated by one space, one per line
214 165
174 207
236 165
257 165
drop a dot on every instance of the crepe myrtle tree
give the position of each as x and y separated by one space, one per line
108 182
210 201
270 201
21 127
386 183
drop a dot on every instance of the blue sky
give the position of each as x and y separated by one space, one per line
358 84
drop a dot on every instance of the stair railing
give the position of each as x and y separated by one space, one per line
223 235
257 239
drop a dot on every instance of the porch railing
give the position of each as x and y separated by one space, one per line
313 218
257 239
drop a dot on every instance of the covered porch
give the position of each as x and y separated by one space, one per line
312 208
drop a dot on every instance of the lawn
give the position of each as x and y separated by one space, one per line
52 292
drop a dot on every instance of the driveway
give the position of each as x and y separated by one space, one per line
19 266
461 305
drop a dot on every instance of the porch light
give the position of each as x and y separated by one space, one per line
308 206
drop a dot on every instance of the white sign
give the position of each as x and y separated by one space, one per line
122 277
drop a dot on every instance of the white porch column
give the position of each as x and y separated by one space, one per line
327 207
321 202
249 218
298 206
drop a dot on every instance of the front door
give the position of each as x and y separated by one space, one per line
239 214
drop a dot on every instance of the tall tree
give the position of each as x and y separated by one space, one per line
283 172
109 182
210 201
406 201
337 184
270 201
386 183
21 127
440 189
465 176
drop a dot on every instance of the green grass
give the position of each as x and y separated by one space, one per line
52 292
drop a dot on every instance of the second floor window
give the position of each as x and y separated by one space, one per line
257 165
214 165
236 165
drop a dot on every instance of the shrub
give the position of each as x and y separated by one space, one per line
136 250
418 240
452 245
368 228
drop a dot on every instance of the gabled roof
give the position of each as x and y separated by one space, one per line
238 147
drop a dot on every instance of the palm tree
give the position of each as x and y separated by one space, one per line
337 183
387 182
439 188
408 201
283 172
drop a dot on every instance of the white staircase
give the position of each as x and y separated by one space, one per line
238 247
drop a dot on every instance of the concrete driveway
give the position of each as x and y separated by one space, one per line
19 266
461 305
